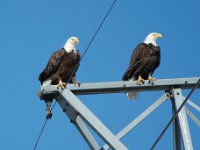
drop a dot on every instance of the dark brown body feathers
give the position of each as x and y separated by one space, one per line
61 66
144 60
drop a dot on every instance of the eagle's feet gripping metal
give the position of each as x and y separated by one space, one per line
61 85
140 80
78 84
151 80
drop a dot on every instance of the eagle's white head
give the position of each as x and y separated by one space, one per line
152 38
71 44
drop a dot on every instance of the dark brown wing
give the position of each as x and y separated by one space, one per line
76 65
137 55
151 59
52 65
158 57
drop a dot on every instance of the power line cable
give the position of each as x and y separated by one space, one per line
95 34
40 134
91 41
175 115
102 22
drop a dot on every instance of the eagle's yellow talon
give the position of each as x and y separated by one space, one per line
151 80
140 80
61 85
64 84
77 84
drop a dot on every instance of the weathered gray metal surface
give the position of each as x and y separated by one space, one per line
182 118
140 118
192 116
86 134
79 114
79 123
125 86
176 130
193 105
70 99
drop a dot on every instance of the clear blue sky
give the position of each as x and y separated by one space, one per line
30 31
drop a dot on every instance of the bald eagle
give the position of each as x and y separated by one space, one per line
62 65
61 69
144 60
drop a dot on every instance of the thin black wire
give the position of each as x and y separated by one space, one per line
40 134
99 27
175 115
95 34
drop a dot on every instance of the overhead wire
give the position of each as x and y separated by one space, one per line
42 129
87 48
95 34
102 22
175 115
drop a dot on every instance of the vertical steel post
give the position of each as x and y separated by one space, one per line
176 129
182 119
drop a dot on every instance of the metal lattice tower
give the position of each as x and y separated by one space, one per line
80 115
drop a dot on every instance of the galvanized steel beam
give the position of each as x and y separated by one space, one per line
70 99
79 123
182 118
192 116
193 105
139 119
176 130
124 86
78 112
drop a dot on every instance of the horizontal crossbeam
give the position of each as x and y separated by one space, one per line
124 86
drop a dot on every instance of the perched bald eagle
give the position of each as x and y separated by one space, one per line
62 65
144 60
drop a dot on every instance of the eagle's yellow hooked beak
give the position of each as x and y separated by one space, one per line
76 40
158 35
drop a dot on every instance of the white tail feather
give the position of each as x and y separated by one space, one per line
132 95
45 83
